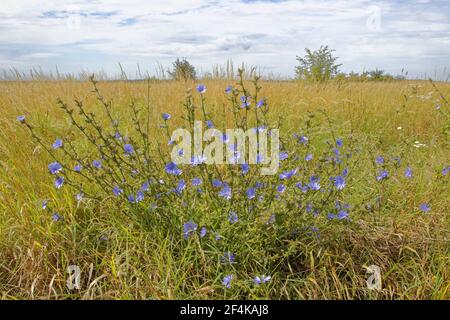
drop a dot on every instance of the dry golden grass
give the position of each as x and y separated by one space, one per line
411 248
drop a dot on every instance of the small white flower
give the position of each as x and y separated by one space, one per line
417 144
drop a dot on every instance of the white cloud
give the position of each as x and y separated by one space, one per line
267 33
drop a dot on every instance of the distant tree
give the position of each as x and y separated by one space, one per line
182 70
376 75
319 65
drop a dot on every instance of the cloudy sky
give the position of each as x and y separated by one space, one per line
97 34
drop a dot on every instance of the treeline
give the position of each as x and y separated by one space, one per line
373 75
315 66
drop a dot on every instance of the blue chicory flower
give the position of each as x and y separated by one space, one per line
245 102
201 88
227 281
383 174
117 191
303 140
54 167
225 138
131 198
217 183
56 217
271 219
189 229
59 181
197 160
408 173
97 164
339 182
288 174
146 185
251 193
345 172
57 144
314 183
261 280
117 136
197 181
425 207
233 217
259 184
245 168
342 214
283 155
301 186
171 168
259 158
128 148
180 186
228 258
281 188
139 196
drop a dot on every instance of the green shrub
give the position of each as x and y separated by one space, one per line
182 70
319 65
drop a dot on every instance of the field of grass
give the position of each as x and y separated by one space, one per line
137 251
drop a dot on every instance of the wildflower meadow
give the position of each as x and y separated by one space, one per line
95 205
